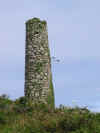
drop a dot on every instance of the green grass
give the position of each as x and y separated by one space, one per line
22 117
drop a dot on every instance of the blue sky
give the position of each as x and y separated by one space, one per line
74 29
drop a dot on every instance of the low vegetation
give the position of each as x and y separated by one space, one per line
21 117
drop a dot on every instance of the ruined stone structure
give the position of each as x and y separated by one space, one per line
38 77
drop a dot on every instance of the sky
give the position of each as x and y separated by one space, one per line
73 29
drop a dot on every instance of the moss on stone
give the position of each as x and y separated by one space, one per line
36 85
49 55
50 99
33 20
39 67
44 22
36 25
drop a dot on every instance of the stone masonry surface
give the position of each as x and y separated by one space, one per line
38 76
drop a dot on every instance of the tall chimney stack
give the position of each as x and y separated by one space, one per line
38 76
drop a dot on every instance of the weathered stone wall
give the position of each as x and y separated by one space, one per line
38 77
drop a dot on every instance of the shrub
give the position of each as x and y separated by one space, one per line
20 116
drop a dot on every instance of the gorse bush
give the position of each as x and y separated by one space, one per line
20 116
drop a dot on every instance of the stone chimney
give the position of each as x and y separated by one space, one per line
38 76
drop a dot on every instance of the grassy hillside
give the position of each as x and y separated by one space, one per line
22 117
